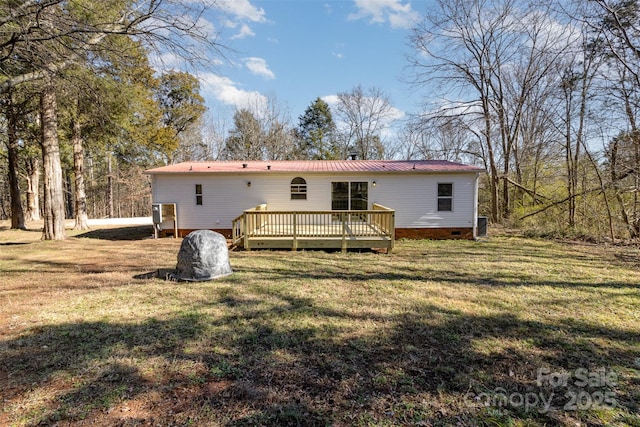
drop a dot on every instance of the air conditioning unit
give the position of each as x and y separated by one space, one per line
482 226
156 213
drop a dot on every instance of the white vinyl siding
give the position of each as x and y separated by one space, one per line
413 196
415 199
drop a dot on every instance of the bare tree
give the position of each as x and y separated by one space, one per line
213 132
51 35
277 128
361 118
262 131
618 23
441 138
485 60
457 48
617 41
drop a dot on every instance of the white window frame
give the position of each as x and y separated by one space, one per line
198 191
445 197
298 190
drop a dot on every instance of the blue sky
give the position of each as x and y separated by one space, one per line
298 50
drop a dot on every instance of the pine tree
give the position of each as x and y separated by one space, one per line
316 133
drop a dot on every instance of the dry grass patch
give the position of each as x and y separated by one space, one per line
437 333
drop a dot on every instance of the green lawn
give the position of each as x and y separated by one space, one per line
437 333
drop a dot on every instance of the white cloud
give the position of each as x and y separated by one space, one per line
396 114
227 92
239 14
398 15
258 66
242 9
332 100
245 31
230 23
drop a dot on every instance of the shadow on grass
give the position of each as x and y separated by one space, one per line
139 232
100 357
37 229
293 363
289 272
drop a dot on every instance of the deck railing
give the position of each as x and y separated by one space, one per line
241 224
258 222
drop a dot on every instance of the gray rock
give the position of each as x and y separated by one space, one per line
203 256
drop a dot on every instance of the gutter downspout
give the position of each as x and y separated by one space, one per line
475 207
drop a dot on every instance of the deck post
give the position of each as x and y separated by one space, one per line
392 232
343 218
294 246
246 232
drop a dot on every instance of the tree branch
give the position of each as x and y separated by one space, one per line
565 200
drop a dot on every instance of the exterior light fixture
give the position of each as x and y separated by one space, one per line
248 183
373 184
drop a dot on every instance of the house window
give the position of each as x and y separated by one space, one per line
445 197
298 189
349 196
198 194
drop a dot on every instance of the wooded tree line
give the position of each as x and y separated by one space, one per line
544 96
83 110
353 127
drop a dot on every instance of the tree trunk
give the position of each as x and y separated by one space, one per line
78 165
570 171
54 216
17 214
493 172
568 88
110 186
33 189
69 197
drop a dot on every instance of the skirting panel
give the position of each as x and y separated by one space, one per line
182 232
434 233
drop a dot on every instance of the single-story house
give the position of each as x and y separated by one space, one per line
428 198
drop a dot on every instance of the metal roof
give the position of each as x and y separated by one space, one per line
315 166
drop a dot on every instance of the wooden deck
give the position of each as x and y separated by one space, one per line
258 228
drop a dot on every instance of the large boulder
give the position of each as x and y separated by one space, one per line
203 256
